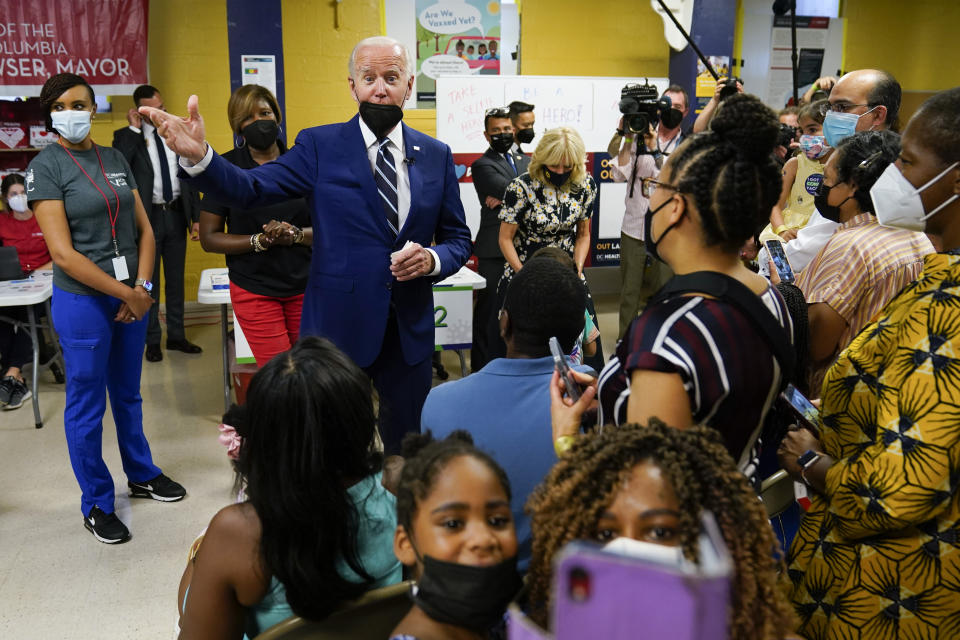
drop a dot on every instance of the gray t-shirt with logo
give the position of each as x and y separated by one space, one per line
54 175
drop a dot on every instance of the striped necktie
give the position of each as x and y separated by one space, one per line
386 179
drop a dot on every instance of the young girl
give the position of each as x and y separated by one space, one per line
455 531
802 174
316 527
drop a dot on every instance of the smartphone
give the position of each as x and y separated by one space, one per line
807 414
779 257
563 368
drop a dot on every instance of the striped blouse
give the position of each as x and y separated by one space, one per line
727 367
861 268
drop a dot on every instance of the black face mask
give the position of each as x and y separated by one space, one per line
525 136
648 241
557 179
501 142
261 134
381 118
671 119
466 596
829 211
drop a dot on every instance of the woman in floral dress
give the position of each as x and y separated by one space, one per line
549 206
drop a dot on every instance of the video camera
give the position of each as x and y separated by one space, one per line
642 106
787 135
729 88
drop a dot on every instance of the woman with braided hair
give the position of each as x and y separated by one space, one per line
701 359
652 483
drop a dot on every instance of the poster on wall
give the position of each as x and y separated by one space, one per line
813 34
706 85
105 41
260 70
455 37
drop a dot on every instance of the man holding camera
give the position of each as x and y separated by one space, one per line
641 275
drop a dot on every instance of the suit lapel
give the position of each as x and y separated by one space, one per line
359 165
413 152
501 163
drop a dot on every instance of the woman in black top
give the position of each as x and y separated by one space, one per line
266 290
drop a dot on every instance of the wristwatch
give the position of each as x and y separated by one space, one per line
807 460
146 284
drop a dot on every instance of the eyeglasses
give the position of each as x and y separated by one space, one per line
841 107
649 185
498 112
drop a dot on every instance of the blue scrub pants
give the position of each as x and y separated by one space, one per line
101 355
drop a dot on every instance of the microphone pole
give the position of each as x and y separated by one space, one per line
690 41
793 56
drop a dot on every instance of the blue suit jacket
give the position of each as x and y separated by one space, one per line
350 290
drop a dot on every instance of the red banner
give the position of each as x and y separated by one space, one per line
105 41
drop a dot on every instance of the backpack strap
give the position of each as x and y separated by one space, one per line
730 290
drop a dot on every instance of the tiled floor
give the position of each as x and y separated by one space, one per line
56 580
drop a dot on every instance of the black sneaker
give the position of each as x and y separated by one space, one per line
6 389
160 488
106 527
19 392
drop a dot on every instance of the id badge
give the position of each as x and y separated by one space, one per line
120 268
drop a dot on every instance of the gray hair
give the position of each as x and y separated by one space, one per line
378 41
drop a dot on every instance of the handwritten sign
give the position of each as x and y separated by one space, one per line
588 105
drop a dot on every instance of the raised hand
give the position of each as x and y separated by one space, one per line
186 136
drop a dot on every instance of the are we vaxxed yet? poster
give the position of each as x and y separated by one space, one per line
455 37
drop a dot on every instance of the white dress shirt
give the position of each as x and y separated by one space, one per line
170 157
397 152
804 248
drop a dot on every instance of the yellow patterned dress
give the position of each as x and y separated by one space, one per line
878 557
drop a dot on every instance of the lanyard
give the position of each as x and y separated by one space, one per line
673 140
110 214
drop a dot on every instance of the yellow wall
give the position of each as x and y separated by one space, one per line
315 55
599 38
915 42
186 56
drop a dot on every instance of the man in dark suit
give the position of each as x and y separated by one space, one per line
492 172
523 119
173 208
379 193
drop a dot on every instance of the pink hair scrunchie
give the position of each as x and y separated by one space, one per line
228 437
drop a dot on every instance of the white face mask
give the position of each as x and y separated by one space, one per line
18 202
660 554
72 125
897 203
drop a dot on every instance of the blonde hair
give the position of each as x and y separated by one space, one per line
244 101
560 146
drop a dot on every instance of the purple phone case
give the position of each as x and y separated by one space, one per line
629 599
